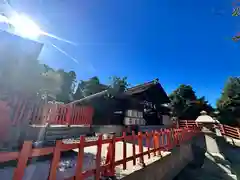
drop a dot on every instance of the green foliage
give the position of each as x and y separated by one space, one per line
119 84
27 77
20 76
186 105
93 85
68 85
89 87
52 83
30 78
229 102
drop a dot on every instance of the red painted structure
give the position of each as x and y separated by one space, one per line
233 132
24 114
4 119
40 113
154 141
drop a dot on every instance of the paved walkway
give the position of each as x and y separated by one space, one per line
224 165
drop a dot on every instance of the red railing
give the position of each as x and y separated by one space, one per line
233 132
155 142
41 113
188 124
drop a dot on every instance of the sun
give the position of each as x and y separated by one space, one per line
25 27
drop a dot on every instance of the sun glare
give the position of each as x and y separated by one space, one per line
25 27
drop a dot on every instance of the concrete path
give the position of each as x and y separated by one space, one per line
212 169
223 165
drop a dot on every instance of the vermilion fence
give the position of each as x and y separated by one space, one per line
155 141
40 113
188 124
230 131
233 132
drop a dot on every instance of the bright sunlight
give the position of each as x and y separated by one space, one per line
25 27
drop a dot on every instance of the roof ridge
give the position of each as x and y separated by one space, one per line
155 81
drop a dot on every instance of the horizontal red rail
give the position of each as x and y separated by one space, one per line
226 130
156 142
40 113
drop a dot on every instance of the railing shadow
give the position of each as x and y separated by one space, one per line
205 165
231 153
39 168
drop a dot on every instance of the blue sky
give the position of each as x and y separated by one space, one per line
179 42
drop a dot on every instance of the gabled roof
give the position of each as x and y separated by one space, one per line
142 87
152 91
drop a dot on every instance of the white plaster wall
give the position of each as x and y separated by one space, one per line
166 120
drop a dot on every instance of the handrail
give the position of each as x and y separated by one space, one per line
226 130
41 113
155 141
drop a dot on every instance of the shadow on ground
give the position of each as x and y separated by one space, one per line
231 153
38 168
212 166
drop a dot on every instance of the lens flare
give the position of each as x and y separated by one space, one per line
25 27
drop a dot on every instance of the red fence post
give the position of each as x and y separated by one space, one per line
154 143
168 139
113 156
69 109
177 137
238 130
98 157
110 160
186 123
140 145
162 142
158 140
78 172
180 136
178 124
164 139
174 138
22 160
108 157
124 151
148 144
222 129
134 148
55 161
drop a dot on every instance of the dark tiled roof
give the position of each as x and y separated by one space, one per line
152 88
142 87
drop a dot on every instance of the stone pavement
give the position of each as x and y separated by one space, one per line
212 169
223 163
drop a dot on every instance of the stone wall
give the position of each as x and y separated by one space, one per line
167 167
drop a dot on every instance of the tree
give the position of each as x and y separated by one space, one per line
68 85
186 105
181 99
89 87
118 83
51 83
203 104
79 94
27 78
93 86
229 102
